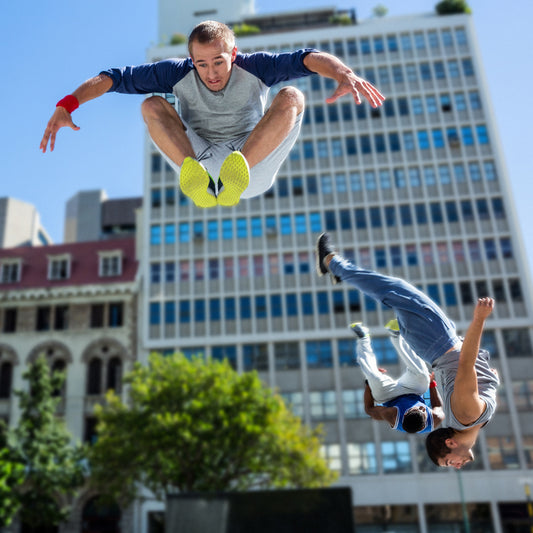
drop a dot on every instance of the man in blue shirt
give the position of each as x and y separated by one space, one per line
222 143
399 401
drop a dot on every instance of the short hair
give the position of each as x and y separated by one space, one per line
413 422
209 31
436 443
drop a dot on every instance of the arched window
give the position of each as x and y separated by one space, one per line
6 377
98 516
94 381
114 374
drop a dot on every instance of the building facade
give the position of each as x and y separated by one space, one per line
418 189
76 304
20 225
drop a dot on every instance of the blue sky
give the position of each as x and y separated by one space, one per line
49 48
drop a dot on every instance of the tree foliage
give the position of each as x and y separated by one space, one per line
199 426
178 38
241 30
451 7
11 476
41 444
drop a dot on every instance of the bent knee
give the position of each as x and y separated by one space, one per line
292 97
153 106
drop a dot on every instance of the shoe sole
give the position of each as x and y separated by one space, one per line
319 267
194 180
235 178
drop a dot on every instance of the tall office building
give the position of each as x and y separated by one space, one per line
418 189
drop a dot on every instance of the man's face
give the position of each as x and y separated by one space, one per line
213 63
458 456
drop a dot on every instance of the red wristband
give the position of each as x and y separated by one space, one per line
70 103
432 384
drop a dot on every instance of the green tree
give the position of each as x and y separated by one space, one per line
41 443
200 426
11 476
178 38
380 11
450 7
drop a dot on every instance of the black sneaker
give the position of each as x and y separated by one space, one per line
323 249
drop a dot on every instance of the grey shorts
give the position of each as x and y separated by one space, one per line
262 175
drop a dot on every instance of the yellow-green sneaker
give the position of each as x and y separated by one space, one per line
195 183
234 179
393 327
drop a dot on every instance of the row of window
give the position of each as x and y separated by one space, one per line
420 41
98 373
59 267
57 317
290 263
355 181
429 105
262 306
388 216
381 143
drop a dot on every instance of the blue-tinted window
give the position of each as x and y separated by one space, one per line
397 74
315 82
384 178
260 306
381 258
384 350
309 152
307 303
408 141
352 47
399 178
490 249
155 273
170 272
482 134
423 139
490 171
379 45
370 303
383 76
346 111
436 213
396 256
345 219
346 352
170 196
318 354
242 230
474 171
405 39
275 305
214 309
392 43
466 133
405 215
416 104
227 229
156 198
506 248
460 101
425 72
482 209
333 113
451 211
370 180
246 307
354 300
460 36
459 173
420 41
375 217
390 216
447 39
212 230
433 292
365 46
475 100
421 214
199 310
450 296
440 73
414 177
229 309
326 184
185 311
330 220
291 304
438 138
300 224
185 232
170 312
379 142
431 105
285 223
337 301
498 208
156 163
198 229
314 221
366 148
155 234
282 185
403 107
394 142
312 187
225 352
360 218
468 67
453 68
467 210
433 39
360 112
322 303
318 114
155 313
351 148
412 75
336 148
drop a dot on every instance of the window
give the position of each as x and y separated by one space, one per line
170 312
361 456
318 354
58 267
396 456
185 311
6 379
114 374
10 271
43 318
116 312
10 320
255 357
110 264
170 272
61 313
155 234
199 310
226 352
94 376
323 405
97 316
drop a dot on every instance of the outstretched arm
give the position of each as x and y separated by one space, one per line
378 412
88 90
348 82
466 404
